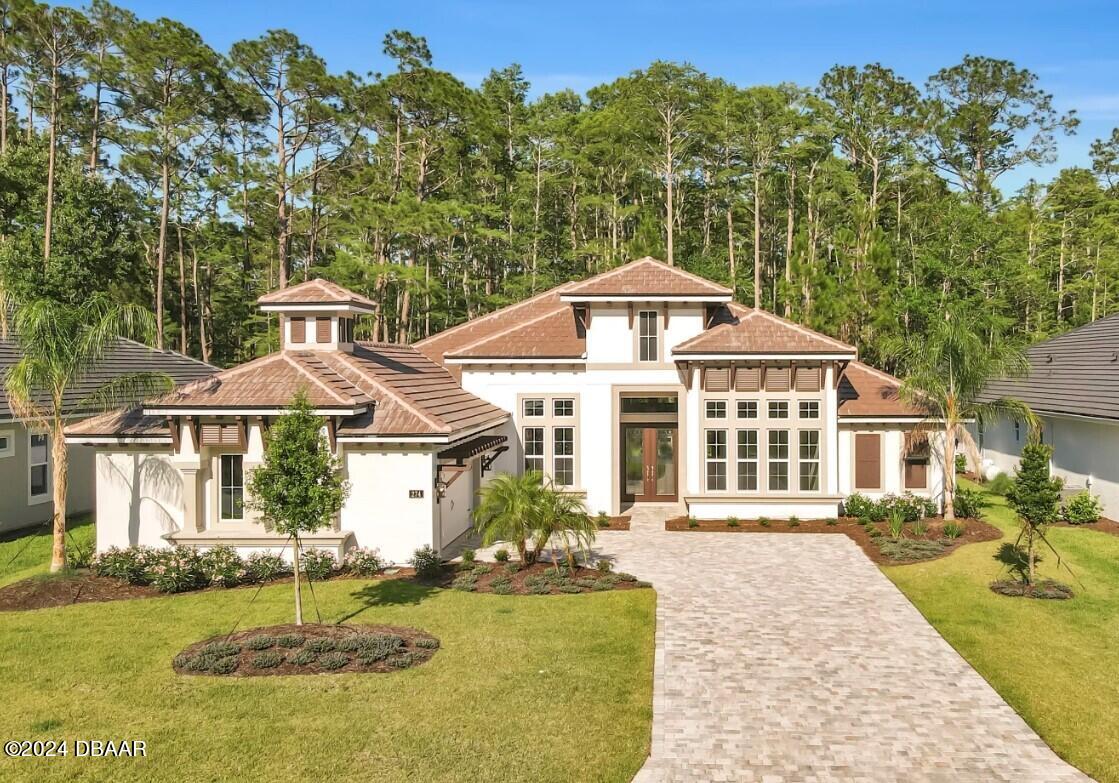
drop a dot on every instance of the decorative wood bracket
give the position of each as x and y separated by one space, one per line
489 459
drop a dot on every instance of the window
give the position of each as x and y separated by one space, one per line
779 460
747 460
809 460
647 348
778 409
563 408
7 444
747 409
563 451
1017 431
534 407
232 487
346 330
810 409
534 449
716 409
37 460
716 460
649 405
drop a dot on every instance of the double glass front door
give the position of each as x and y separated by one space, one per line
649 463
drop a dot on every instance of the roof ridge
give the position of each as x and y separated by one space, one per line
167 352
658 263
516 327
434 421
291 359
488 316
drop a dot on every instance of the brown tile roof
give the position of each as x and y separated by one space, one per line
550 335
865 391
315 291
400 390
743 330
647 277
124 423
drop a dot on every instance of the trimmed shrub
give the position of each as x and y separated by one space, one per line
363 561
468 556
321 644
303 658
910 549
693 522
603 584
961 463
128 565
1083 508
466 582
763 521
502 586
427 644
402 661
427 563
602 519
732 521
831 521
501 555
794 521
586 582
1001 484
261 642
481 569
220 649
263 566
969 503
177 571
352 643
623 577
570 588
290 640
223 566
603 566
539 588
859 505
379 647
318 564
268 660
912 507
225 665
334 660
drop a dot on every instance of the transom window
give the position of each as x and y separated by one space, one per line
232 487
648 350
810 409
563 408
778 460
716 460
534 407
38 455
563 451
7 444
716 409
747 409
778 409
747 460
534 449
809 460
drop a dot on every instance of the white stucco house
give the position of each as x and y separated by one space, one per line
644 384
1073 389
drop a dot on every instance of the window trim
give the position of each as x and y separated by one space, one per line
556 401
738 410
542 456
709 461
10 449
802 404
549 421
739 460
771 461
719 405
222 486
543 407
47 495
769 410
557 456
639 321
802 461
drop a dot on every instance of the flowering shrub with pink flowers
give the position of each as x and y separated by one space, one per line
128 565
177 570
224 567
363 561
318 564
262 566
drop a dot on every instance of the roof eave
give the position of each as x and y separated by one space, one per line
249 410
680 356
650 297
317 307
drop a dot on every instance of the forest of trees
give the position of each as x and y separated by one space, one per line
137 160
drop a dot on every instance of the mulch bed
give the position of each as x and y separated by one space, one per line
616 523
1046 588
975 531
536 579
345 649
78 588
1103 525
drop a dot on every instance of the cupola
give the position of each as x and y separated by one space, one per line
316 315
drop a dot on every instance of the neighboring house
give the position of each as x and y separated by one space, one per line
25 463
642 384
1073 387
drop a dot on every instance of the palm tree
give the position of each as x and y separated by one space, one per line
508 510
946 371
61 346
563 517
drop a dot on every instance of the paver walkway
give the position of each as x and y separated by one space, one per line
793 658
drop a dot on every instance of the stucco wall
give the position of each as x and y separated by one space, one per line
378 511
139 498
893 446
16 510
455 506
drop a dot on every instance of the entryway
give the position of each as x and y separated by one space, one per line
649 463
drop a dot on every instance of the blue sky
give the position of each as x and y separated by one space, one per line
1070 45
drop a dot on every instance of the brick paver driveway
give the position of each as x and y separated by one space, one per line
793 658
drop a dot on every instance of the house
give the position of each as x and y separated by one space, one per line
644 384
1073 388
25 459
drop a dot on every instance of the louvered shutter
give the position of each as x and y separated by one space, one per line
221 434
322 330
868 461
777 379
716 379
299 330
808 379
747 379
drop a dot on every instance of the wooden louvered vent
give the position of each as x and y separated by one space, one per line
777 379
222 434
808 379
322 330
747 379
299 330
716 379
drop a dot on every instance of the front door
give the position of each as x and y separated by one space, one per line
649 463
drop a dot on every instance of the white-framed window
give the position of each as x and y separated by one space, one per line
563 408
38 467
716 409
7 443
647 348
747 460
747 409
534 449
809 459
778 409
778 462
809 409
1017 431
533 407
563 456
232 490
716 460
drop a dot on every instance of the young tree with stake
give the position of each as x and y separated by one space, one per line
299 488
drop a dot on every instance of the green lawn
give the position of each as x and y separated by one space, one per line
1055 662
555 688
30 555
